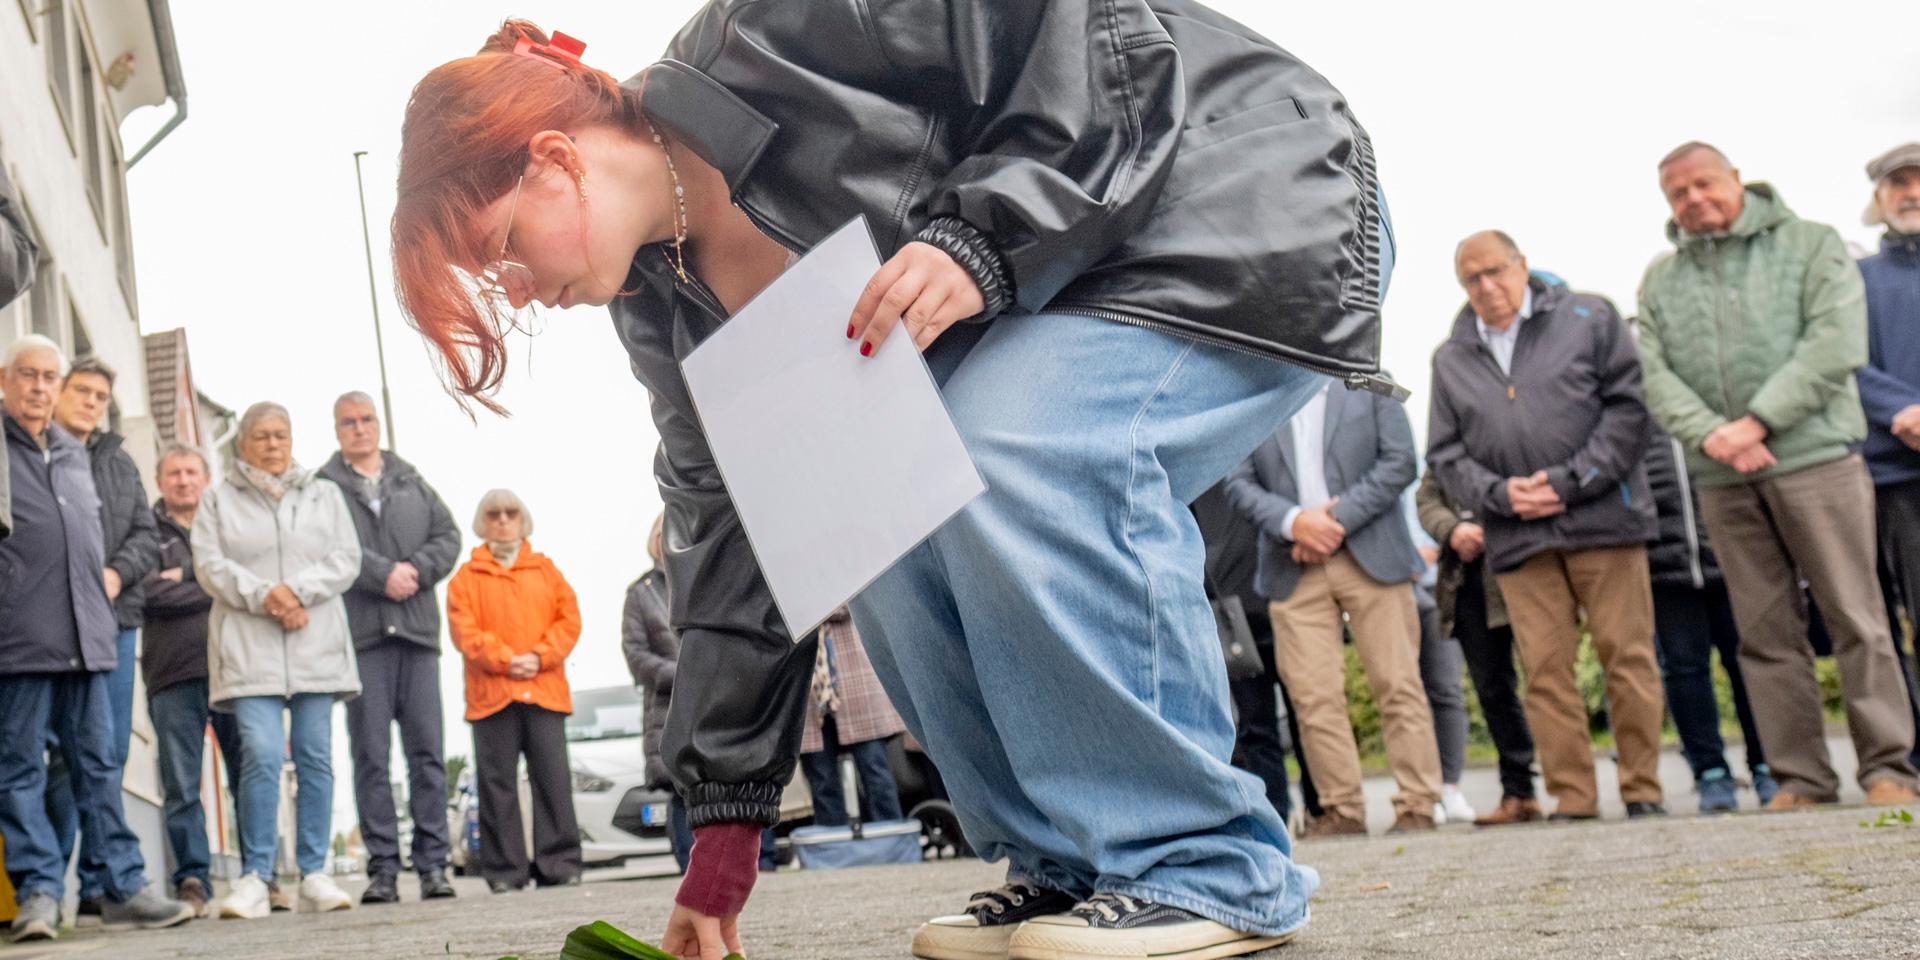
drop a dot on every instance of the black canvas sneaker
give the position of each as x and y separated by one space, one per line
982 931
1114 925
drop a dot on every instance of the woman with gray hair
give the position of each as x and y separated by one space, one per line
515 619
275 547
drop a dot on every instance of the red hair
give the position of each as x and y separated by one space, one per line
462 147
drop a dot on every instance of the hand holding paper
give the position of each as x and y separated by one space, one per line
837 464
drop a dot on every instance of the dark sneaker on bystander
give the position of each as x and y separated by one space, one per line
1718 793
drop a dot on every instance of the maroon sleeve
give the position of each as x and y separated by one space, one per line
721 870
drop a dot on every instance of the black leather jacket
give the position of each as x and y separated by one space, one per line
1145 161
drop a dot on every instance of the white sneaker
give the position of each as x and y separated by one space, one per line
1440 814
1456 805
247 900
319 894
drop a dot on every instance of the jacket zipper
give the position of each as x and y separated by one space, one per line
1720 324
1686 514
280 565
1372 382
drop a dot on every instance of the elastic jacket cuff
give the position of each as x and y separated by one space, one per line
721 870
976 254
713 802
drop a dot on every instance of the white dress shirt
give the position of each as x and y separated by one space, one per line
1501 342
1309 428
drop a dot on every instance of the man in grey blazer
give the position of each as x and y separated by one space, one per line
1325 493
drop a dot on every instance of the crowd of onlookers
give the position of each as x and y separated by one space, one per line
1735 469
252 603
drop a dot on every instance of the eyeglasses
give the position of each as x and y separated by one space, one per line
1475 279
503 513
509 282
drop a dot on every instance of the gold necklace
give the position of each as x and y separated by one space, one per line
679 259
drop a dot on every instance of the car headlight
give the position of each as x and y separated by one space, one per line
585 781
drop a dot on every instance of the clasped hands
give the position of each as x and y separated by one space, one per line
1316 534
1741 444
282 605
1534 498
523 666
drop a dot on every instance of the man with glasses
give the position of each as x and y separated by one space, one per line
57 636
1537 431
1751 332
408 543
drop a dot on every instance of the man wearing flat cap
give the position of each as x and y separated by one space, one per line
1890 382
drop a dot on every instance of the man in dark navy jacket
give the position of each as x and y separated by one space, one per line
57 636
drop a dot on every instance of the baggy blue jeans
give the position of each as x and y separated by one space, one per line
1052 645
264 739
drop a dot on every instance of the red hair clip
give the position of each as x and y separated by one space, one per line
561 51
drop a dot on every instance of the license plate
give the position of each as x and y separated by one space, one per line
653 814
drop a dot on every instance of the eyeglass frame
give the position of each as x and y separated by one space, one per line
495 271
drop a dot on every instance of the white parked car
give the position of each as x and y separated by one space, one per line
619 816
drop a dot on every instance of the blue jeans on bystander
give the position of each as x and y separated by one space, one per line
264 738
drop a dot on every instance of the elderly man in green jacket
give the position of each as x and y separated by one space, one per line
1750 333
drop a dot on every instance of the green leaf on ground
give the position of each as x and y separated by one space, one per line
601 940
1889 818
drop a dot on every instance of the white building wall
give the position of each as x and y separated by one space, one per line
87 297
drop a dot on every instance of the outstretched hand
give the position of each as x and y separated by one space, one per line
692 935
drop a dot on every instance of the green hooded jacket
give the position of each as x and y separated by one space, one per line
1769 319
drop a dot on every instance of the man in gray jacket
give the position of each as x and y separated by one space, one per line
56 649
1325 493
408 543
1537 427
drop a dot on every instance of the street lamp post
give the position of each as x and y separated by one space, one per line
373 293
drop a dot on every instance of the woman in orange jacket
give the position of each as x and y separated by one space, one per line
515 619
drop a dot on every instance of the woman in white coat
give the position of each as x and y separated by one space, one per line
275 547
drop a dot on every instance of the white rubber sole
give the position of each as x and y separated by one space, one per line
938 941
229 911
1038 941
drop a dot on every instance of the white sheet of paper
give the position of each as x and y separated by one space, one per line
838 464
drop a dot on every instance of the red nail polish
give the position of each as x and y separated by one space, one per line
849 331
866 349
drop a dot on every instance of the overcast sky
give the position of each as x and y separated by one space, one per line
1542 119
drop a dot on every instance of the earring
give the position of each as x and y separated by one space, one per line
679 260
583 187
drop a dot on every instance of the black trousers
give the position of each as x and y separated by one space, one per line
499 742
399 682
1897 514
1257 747
1489 653
879 797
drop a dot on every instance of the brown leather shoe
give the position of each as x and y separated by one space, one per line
1787 800
1890 793
1410 822
1512 810
1332 824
